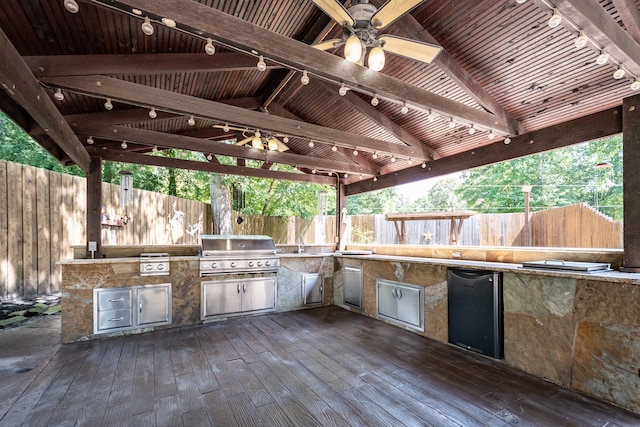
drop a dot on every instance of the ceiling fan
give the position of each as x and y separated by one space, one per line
360 26
260 141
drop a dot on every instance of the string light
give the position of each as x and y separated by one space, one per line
581 40
431 117
147 28
261 65
346 175
209 48
191 121
375 101
555 19
452 124
311 144
355 152
90 140
375 178
636 84
507 141
285 139
393 159
154 149
305 78
404 109
225 128
472 130
491 135
374 156
602 58
71 6
619 72
209 156
152 113
108 105
124 145
334 148
424 165
343 90
58 95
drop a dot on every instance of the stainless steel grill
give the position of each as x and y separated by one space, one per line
223 254
154 264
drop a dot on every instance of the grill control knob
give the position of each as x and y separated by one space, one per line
251 263
148 267
233 264
160 266
259 263
214 265
267 263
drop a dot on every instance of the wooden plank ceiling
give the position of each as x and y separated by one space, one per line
502 70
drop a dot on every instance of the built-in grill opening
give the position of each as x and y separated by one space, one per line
222 254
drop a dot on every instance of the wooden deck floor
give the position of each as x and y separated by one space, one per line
318 367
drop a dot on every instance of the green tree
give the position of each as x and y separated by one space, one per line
377 202
441 197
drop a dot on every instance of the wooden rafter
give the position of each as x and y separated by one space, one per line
143 159
25 90
587 128
296 55
184 104
151 138
630 17
157 63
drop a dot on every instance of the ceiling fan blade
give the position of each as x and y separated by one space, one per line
412 49
336 11
279 144
391 11
328 44
244 141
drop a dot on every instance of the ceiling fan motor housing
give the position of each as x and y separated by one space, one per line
362 11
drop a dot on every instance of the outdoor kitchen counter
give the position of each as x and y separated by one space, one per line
579 330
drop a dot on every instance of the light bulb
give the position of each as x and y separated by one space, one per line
256 142
581 40
431 117
90 140
355 152
225 128
619 73
346 175
262 66
71 6
452 124
353 49
58 95
314 171
602 58
209 156
404 109
360 176
311 144
124 144
555 19
272 145
147 28
375 101
305 78
108 105
285 139
376 59
343 90
472 130
491 135
393 159
507 141
520 1
410 161
374 156
334 148
168 22
154 149
375 178
424 165
209 48
152 113
636 84
191 121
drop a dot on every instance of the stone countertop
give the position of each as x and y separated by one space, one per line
607 276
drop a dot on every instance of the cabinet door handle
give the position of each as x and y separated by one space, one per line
140 306
238 288
115 299
321 288
116 319
399 293
244 288
394 293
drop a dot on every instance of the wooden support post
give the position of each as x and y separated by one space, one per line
94 205
341 212
631 183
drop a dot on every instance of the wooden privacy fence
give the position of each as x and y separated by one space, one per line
42 215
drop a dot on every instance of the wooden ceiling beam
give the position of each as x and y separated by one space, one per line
245 36
165 140
164 100
412 29
140 64
600 27
26 91
587 128
630 17
143 159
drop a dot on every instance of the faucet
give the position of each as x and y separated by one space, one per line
300 244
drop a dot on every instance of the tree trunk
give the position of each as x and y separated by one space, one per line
220 205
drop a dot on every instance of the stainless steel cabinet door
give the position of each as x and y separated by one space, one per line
258 294
221 297
154 304
313 288
387 303
409 305
353 286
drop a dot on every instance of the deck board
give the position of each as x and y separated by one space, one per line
319 367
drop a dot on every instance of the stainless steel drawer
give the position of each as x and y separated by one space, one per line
114 299
114 319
